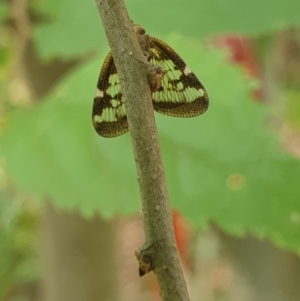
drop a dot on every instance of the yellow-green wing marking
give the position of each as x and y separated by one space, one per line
181 93
109 115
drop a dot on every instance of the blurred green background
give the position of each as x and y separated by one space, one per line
69 199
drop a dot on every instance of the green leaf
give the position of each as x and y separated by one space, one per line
75 26
58 154
3 11
224 166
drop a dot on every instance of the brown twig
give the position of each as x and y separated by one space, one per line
159 252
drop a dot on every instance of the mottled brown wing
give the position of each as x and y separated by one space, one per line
109 115
181 93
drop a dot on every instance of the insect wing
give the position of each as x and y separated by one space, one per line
109 115
181 94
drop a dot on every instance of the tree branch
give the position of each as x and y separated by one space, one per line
159 252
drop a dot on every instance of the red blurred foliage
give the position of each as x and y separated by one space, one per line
241 51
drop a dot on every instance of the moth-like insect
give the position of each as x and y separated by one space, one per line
179 92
